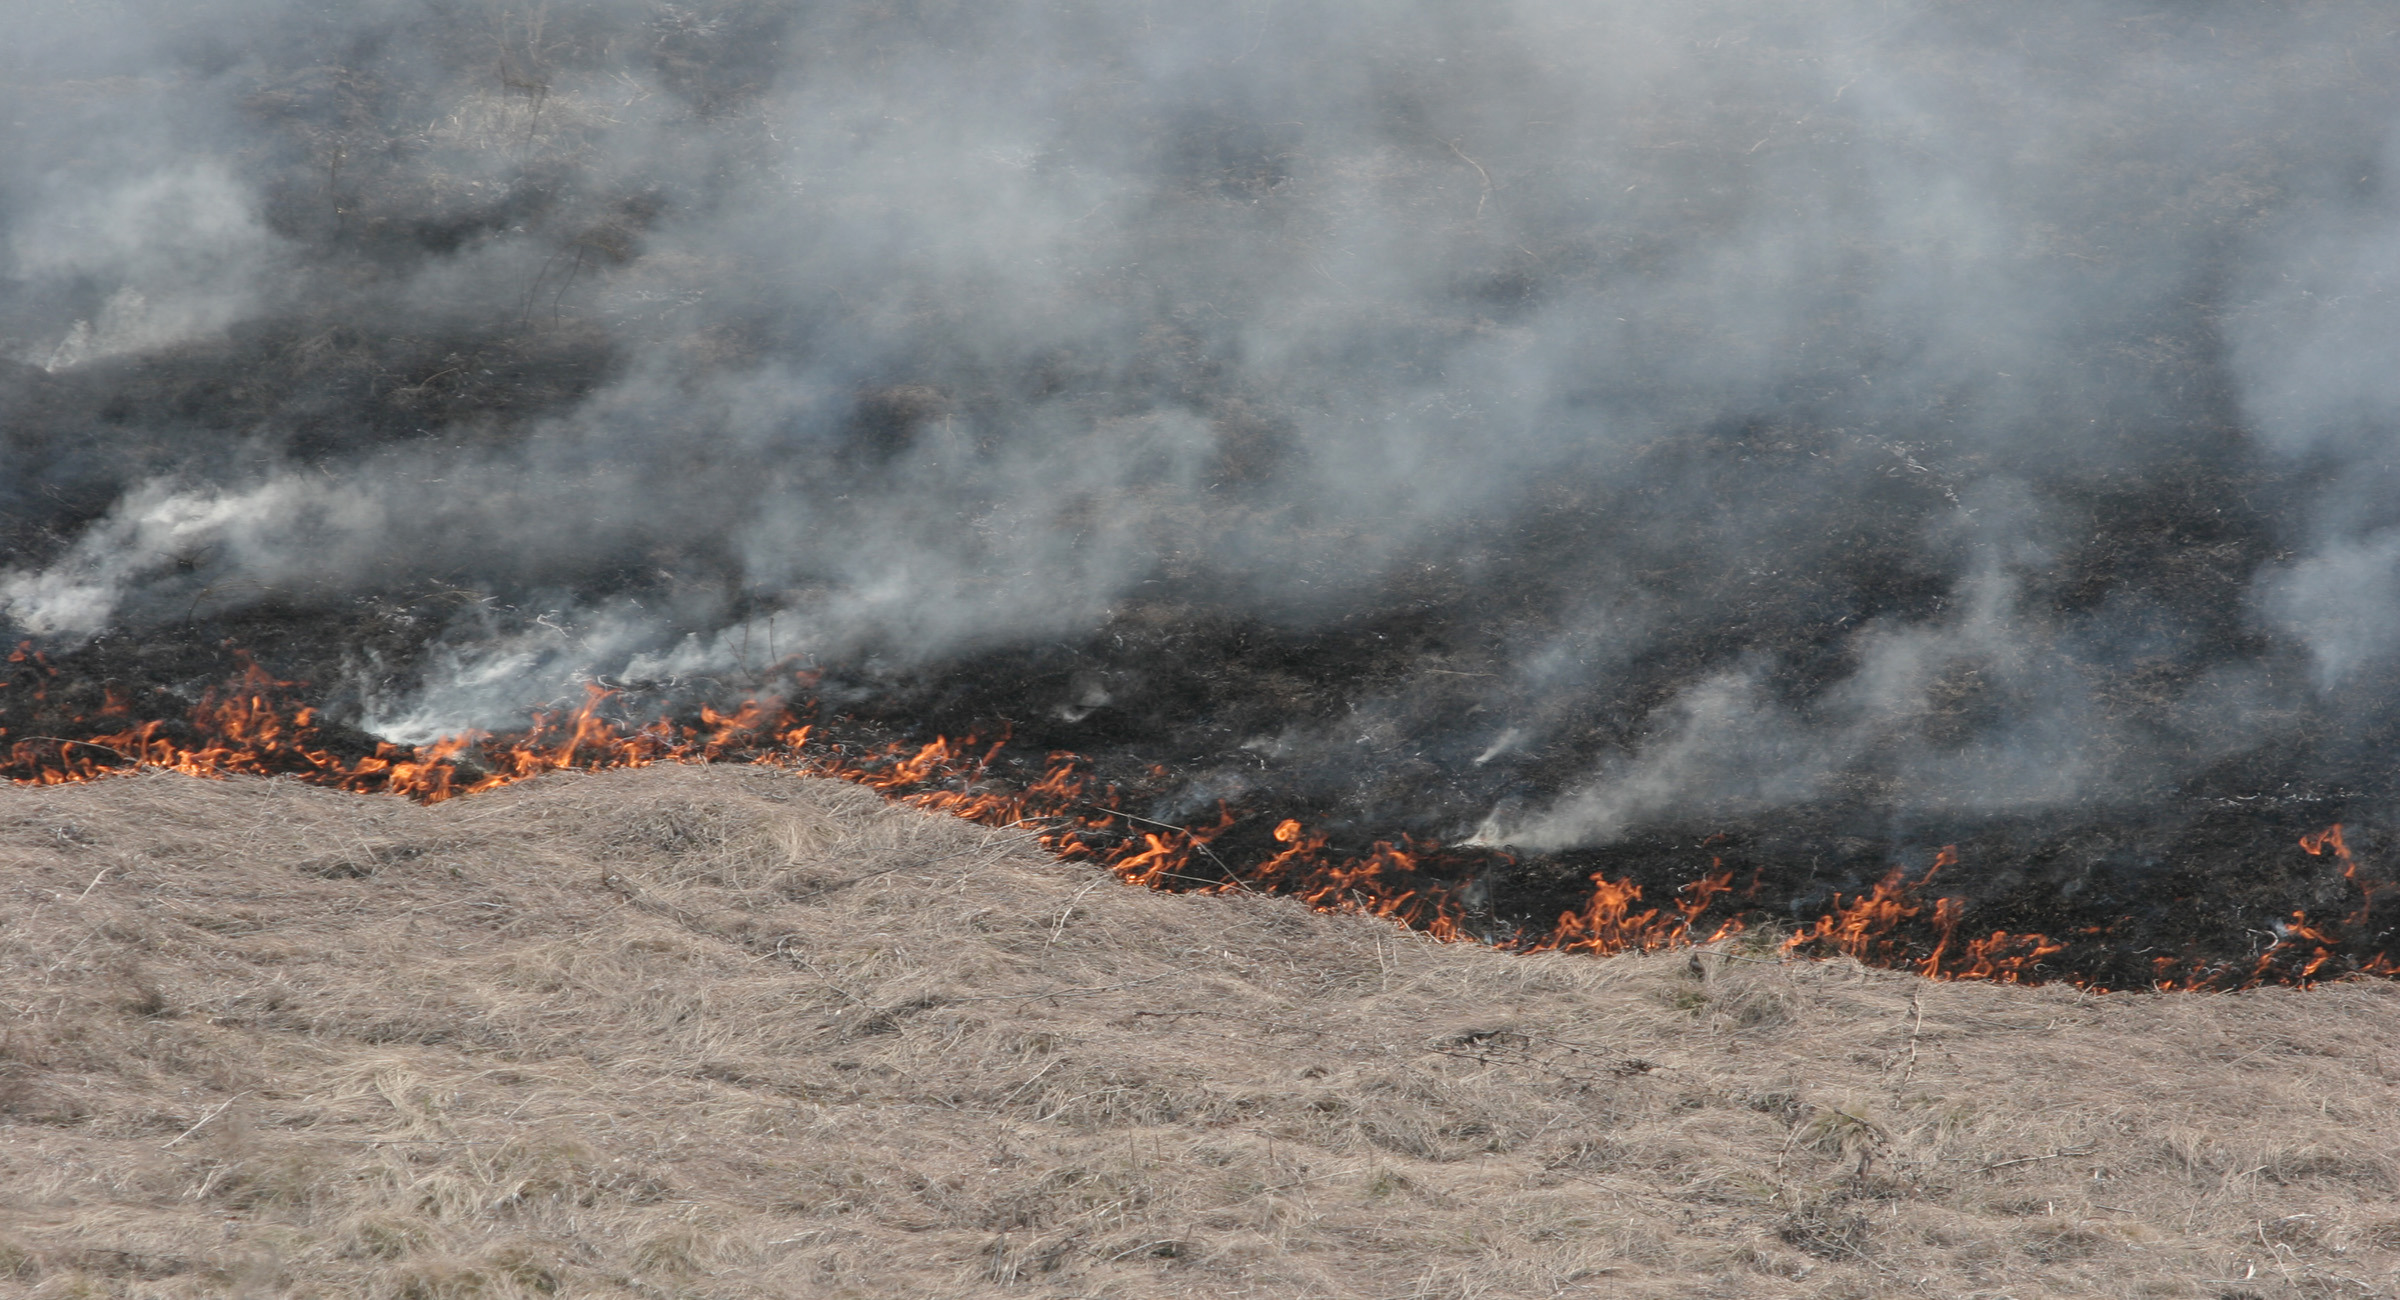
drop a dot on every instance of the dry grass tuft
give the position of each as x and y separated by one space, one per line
722 1032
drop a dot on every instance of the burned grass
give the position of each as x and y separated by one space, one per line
687 1031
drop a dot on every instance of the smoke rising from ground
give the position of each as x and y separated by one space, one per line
1892 401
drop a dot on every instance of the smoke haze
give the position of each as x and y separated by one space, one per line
1714 406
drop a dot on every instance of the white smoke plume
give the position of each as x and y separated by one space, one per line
1816 341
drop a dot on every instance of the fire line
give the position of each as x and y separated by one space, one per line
256 726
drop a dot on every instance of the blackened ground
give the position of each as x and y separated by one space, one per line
1368 718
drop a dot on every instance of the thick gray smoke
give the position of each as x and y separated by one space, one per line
905 331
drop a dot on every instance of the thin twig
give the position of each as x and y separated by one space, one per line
1186 831
214 1111
1020 1089
90 744
1916 1022
1069 910
1487 176
2063 1153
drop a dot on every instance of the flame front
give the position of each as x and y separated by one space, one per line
254 726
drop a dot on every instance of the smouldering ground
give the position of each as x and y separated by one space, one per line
729 1032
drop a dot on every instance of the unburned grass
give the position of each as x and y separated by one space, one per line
729 1032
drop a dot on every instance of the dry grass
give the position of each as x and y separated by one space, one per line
686 1032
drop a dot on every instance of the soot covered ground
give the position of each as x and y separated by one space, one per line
1372 720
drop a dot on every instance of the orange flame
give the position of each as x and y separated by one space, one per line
2303 949
1608 923
2331 838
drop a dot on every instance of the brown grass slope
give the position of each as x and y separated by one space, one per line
722 1032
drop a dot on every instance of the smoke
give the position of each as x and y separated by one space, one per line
2312 348
1771 403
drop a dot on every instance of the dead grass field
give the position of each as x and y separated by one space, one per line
730 1032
